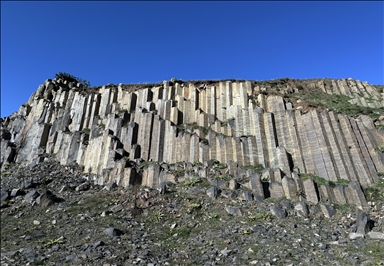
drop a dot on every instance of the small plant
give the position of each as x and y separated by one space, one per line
380 148
342 182
157 216
264 215
70 78
197 163
213 215
265 179
222 177
246 232
221 166
375 192
300 193
190 182
86 130
51 242
193 207
113 202
102 125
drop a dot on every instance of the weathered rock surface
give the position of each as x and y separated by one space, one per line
125 135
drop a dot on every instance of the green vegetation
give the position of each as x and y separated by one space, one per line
204 141
380 148
300 193
266 216
337 103
218 165
375 192
222 177
322 181
193 207
342 207
197 163
70 78
102 125
86 130
157 216
190 182
51 242
265 179
225 123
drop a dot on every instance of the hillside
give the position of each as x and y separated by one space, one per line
267 149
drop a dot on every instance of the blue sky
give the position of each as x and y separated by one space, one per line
138 42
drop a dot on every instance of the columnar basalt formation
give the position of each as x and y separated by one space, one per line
131 136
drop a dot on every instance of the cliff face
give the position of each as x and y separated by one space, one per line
227 128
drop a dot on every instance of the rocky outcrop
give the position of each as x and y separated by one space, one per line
111 131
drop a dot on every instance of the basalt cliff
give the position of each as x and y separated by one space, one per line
313 140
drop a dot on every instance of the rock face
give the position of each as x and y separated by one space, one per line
130 136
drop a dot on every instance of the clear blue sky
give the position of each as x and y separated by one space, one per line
137 42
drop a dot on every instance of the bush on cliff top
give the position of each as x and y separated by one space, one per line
71 78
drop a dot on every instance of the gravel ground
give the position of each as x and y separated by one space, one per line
54 215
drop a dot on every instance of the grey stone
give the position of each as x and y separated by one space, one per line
3 195
233 184
110 186
117 208
27 183
82 187
363 223
219 183
327 210
376 235
113 231
30 254
301 209
31 196
162 188
355 235
98 244
46 199
213 192
63 188
16 192
247 195
278 212
235 211
285 204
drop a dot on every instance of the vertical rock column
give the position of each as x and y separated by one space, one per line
145 134
371 144
344 149
353 146
262 152
271 139
306 151
157 143
313 144
324 144
342 172
294 146
371 169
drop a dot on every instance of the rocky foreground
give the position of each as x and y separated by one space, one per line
55 215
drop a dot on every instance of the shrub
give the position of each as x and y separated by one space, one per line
70 78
